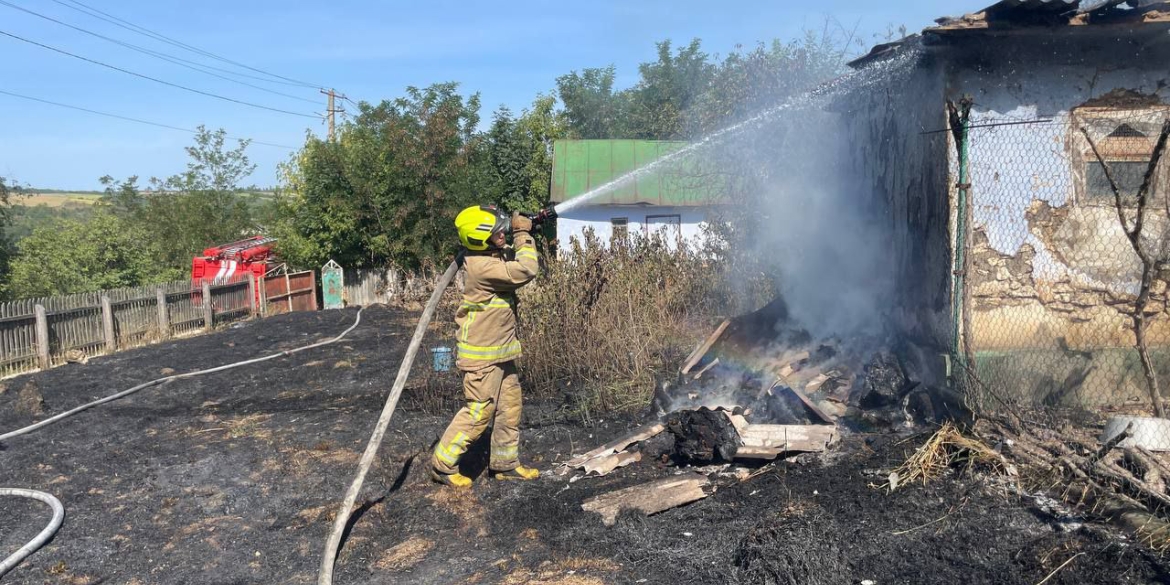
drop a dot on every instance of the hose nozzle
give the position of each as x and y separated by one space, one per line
548 213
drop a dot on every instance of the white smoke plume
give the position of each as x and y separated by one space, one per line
801 208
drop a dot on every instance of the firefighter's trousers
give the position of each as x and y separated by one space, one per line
493 398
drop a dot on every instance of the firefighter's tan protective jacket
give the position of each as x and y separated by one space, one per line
487 316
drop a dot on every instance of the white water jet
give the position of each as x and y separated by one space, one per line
858 79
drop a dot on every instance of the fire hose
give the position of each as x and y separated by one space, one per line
343 513
172 378
329 558
58 516
58 509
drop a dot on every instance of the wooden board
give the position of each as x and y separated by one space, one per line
789 363
704 347
617 445
649 498
815 384
600 466
810 406
769 441
703 370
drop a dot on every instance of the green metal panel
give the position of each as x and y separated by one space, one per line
582 165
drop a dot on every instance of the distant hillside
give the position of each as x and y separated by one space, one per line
34 208
52 198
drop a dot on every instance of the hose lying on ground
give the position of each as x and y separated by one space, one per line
144 385
58 516
342 516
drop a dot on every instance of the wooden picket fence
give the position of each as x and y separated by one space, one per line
391 286
44 332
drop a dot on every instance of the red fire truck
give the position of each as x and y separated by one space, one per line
232 261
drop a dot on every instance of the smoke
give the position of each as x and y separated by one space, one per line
805 214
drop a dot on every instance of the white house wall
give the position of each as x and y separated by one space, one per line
600 219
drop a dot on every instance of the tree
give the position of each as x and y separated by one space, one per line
1151 260
747 83
520 151
509 153
212 168
387 189
542 124
123 197
666 91
192 210
72 256
5 241
592 108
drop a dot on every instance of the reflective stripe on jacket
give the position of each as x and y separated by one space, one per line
487 316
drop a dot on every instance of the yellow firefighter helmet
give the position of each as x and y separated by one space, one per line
477 224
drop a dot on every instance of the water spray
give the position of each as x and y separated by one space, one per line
860 78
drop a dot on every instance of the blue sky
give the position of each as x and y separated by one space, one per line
507 51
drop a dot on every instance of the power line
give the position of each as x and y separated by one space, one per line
129 119
155 79
156 54
94 12
212 67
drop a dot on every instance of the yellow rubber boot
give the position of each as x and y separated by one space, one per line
521 473
455 480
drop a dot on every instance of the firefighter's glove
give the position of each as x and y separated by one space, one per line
521 223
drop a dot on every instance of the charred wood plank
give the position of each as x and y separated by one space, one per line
600 466
617 445
704 347
703 370
649 498
769 441
809 405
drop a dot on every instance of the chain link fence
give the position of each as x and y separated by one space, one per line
1064 226
1062 269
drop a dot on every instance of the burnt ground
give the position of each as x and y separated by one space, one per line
233 478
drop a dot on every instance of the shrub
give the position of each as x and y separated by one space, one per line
601 323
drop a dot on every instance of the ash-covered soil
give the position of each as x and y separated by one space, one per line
234 477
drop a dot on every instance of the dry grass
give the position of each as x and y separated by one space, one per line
404 555
601 323
947 448
462 504
248 426
570 571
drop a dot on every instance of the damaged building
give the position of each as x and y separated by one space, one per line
1009 254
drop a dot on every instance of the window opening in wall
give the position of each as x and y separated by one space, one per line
1128 174
620 227
1125 145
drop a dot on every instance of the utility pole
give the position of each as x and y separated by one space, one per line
331 110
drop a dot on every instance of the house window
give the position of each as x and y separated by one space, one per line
1125 140
1128 174
620 227
668 225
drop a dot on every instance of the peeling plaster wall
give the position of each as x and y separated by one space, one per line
1048 269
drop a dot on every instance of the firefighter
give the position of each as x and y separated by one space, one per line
487 344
